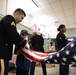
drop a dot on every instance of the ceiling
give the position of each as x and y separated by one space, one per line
49 13
57 12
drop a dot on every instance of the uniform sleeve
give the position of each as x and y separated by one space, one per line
10 27
18 50
43 41
32 41
61 40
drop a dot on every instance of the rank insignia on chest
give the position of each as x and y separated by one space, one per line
12 23
60 38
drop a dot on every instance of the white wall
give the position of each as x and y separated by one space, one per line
3 7
28 20
53 33
69 33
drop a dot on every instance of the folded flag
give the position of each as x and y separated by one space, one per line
35 56
66 55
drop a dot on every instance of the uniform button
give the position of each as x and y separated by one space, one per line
6 44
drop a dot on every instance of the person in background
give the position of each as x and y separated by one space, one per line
8 37
37 43
22 63
61 42
52 47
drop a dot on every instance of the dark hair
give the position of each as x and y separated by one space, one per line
60 27
51 42
20 11
23 32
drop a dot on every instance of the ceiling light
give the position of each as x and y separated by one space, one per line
36 3
56 21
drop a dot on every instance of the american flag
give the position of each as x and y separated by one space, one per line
34 55
34 28
66 55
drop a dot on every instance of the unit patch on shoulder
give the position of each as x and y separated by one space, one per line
13 23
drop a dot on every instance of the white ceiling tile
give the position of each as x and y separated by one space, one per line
48 8
42 2
38 13
61 19
69 17
57 6
60 14
64 22
68 12
71 26
51 1
74 3
53 16
70 20
67 4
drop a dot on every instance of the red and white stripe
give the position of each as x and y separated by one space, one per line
35 56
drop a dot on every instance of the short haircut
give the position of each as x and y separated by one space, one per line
20 11
60 27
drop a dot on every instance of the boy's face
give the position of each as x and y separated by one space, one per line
24 36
